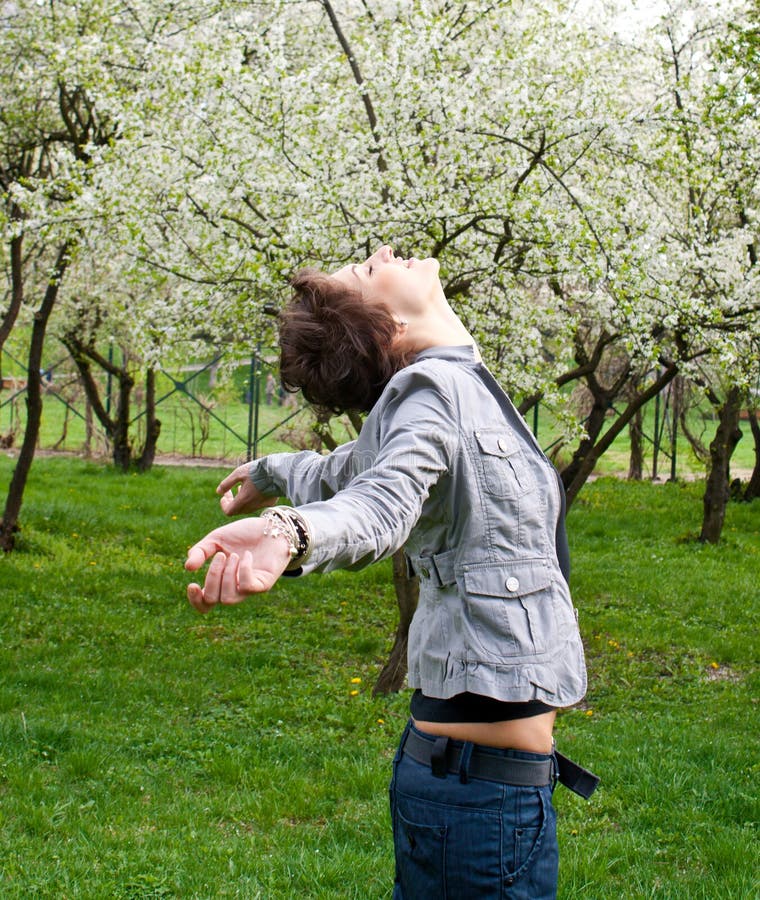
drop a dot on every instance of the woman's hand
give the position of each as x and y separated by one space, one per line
245 561
248 498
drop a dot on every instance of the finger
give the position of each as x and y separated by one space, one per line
199 553
195 596
259 580
252 580
228 592
212 586
245 574
229 481
227 503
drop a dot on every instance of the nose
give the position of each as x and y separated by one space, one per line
383 254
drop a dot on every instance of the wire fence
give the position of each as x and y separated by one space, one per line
220 412
208 411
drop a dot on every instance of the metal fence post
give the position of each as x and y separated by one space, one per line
257 381
251 376
254 377
656 449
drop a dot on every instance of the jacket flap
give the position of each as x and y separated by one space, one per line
497 442
513 579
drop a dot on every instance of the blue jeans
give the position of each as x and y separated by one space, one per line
478 840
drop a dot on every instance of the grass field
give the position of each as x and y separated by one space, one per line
148 752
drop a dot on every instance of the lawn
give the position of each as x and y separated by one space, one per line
148 752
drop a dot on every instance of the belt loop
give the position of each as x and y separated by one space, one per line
464 762
555 765
435 575
438 757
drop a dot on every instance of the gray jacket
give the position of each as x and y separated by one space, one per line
447 468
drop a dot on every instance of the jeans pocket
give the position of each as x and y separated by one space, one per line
420 856
524 842
534 864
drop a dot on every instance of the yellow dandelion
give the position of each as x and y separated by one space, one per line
174 518
93 563
356 681
353 693
589 712
381 721
613 644
714 665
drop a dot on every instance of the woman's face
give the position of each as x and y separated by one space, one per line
405 286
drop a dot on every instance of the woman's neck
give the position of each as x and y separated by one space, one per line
439 326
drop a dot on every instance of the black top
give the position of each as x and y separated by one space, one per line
472 708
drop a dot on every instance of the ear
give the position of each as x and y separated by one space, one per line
403 341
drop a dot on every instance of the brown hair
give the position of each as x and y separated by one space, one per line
334 346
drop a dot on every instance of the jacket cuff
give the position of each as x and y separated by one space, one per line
262 479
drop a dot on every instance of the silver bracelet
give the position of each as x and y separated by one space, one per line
286 521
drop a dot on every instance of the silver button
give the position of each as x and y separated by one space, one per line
512 584
424 572
502 445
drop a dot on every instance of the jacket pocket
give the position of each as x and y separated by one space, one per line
502 463
509 609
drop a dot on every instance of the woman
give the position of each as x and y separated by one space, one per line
445 467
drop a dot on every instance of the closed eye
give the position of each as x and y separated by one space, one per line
370 269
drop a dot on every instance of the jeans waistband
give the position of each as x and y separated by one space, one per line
446 755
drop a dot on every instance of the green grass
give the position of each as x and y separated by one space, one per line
148 752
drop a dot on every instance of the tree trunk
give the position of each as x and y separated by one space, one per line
152 424
356 420
753 488
596 452
724 443
122 450
15 496
594 425
116 426
17 293
89 428
636 432
392 676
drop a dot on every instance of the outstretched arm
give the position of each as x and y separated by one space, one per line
366 521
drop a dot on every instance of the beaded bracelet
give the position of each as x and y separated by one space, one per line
285 521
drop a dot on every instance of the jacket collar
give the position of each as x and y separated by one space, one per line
463 353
